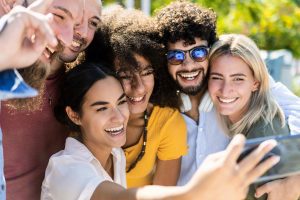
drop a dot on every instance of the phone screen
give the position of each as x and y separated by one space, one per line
288 148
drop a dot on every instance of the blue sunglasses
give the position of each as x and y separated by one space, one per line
198 54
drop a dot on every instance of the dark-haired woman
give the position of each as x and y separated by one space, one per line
156 131
92 165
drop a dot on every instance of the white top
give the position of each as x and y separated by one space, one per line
209 137
74 173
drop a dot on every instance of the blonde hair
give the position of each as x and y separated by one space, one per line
261 103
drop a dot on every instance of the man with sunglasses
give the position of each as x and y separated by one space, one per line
188 31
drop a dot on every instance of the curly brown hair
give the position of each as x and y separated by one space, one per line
183 20
124 34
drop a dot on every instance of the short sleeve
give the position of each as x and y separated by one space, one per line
69 180
173 143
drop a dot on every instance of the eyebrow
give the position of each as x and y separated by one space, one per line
99 103
95 17
232 75
67 12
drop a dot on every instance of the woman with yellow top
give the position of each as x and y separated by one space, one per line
156 131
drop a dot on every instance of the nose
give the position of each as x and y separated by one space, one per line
188 62
118 116
225 88
137 84
82 28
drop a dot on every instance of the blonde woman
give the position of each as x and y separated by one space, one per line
239 87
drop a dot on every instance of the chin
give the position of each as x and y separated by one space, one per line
68 58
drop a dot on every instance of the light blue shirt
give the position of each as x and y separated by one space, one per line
209 137
204 138
11 86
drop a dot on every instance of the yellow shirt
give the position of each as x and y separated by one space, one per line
166 140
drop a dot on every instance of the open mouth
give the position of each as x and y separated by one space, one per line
227 100
136 99
189 76
76 45
115 131
48 53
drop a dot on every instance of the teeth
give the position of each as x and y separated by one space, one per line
50 49
136 99
47 54
115 130
76 43
189 75
227 100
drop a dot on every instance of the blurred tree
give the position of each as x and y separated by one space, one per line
273 24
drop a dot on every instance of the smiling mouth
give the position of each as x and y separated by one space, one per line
189 76
136 99
227 100
76 45
48 52
115 131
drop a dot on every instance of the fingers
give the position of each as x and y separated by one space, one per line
262 168
263 189
234 149
256 156
43 33
40 6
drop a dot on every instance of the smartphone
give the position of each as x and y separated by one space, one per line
288 148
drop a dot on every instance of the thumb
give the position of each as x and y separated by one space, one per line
262 190
40 6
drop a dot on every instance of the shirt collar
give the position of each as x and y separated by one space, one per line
74 147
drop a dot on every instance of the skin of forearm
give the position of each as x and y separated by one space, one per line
112 191
4 58
156 192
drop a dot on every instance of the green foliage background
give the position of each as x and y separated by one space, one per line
273 24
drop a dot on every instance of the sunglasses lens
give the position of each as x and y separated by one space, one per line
175 57
199 54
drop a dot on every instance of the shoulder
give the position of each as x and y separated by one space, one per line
165 114
70 176
262 129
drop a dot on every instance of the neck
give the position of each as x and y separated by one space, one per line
56 65
195 101
101 153
137 116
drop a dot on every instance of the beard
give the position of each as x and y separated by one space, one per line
35 76
192 90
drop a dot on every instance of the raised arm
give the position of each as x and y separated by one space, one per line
24 35
210 181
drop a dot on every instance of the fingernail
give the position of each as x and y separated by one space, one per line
276 159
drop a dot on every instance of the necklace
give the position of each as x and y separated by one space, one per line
142 153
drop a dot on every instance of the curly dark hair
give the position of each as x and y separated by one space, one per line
124 34
183 20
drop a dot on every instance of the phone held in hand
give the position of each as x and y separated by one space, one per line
288 148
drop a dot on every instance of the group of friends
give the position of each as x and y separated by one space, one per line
135 107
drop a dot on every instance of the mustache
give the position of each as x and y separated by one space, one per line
194 70
81 40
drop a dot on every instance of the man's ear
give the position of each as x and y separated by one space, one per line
256 85
74 117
